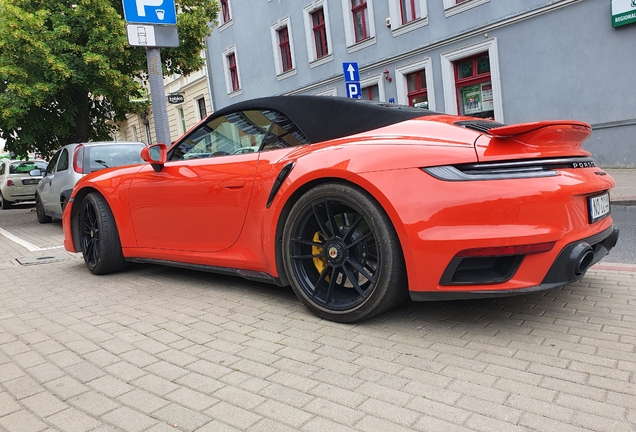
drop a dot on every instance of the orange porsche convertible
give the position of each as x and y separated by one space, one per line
356 205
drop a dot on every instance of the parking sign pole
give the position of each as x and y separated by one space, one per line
158 96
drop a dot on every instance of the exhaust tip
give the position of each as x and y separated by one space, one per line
581 258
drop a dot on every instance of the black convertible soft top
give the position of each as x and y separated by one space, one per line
323 118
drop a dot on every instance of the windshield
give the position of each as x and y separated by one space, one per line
26 166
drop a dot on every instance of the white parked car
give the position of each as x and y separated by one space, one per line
72 162
18 180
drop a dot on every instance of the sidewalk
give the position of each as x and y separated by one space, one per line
625 191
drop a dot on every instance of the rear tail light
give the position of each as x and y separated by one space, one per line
10 182
78 159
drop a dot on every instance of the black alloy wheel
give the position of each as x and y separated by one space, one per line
6 205
342 255
39 211
99 238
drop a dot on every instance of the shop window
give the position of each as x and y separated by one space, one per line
371 93
320 33
474 86
416 89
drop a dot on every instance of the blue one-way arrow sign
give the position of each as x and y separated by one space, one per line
351 72
150 12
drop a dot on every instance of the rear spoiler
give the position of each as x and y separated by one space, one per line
522 128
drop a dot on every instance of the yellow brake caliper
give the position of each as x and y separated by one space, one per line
319 262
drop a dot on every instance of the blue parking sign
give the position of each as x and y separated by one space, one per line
354 91
351 71
155 12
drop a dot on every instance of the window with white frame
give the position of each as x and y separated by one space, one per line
318 33
225 14
372 88
182 120
407 15
201 109
359 24
453 7
414 83
472 83
231 71
283 46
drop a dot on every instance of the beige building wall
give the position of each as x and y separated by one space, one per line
181 117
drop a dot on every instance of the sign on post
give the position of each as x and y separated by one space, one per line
352 80
159 12
152 36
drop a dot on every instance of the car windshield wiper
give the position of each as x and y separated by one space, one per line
101 162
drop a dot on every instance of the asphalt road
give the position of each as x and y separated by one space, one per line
625 250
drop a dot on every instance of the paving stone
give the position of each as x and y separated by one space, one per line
183 417
44 404
93 403
22 421
72 420
129 420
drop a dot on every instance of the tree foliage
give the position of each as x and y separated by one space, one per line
66 68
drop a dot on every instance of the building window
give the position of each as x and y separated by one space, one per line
225 11
317 33
472 82
414 83
416 89
474 86
182 121
134 132
283 45
201 108
231 65
407 15
452 7
410 10
371 93
320 33
285 51
360 14
359 27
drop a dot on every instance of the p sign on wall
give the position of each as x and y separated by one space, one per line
352 80
354 91
150 12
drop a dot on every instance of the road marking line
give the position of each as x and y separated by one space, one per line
30 246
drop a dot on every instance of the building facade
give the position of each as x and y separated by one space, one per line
510 60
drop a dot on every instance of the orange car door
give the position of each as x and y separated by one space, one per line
199 199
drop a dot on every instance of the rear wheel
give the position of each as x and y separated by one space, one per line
99 237
39 211
4 203
342 255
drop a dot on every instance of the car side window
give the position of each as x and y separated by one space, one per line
2 165
284 133
51 167
236 133
62 164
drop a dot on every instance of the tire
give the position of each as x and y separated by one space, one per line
99 238
39 211
6 205
348 274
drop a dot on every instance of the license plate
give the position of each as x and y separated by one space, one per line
599 207
30 181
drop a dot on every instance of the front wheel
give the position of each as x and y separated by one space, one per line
99 238
342 255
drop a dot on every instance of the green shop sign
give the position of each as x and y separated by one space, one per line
623 12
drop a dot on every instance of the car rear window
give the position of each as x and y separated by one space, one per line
108 156
26 167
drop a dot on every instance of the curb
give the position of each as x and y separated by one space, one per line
620 267
623 202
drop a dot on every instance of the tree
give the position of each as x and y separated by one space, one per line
67 71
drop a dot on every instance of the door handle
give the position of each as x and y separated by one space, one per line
233 184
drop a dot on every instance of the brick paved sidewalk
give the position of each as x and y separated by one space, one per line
160 349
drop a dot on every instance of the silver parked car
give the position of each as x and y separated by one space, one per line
72 162
18 180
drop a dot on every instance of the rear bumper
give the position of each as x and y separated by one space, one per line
570 266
